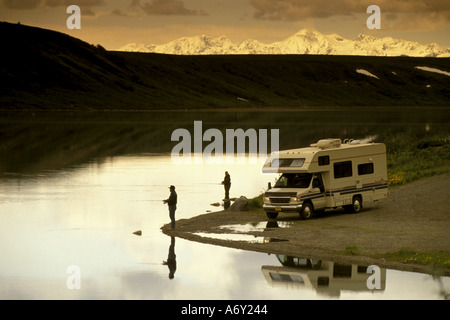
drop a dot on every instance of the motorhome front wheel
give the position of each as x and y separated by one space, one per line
307 211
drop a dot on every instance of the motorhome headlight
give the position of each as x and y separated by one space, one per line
295 199
266 199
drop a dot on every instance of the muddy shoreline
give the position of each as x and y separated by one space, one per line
414 217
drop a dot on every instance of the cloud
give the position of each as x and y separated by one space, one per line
119 13
21 4
301 9
33 4
291 10
166 7
417 22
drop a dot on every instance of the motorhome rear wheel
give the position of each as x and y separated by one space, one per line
356 206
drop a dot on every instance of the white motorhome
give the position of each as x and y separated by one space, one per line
328 174
325 277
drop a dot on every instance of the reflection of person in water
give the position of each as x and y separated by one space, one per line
171 259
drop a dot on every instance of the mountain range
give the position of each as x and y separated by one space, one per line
303 42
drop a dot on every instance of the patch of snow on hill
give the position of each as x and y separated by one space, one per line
434 70
366 73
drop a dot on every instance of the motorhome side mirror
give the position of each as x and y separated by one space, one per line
269 186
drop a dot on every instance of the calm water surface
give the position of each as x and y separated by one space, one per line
74 188
86 215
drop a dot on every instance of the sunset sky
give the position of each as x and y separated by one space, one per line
115 23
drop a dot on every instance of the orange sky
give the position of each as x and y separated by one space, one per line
115 23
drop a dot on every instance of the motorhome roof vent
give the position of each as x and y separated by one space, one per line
327 143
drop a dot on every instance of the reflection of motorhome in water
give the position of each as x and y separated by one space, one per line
328 174
325 277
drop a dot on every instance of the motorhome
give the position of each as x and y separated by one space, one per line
328 174
326 278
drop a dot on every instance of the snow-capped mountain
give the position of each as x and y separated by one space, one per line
303 42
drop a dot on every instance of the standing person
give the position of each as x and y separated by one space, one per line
227 184
172 203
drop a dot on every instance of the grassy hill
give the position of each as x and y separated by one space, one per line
47 70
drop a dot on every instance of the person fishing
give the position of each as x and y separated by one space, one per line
227 184
172 203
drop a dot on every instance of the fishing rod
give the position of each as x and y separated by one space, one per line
210 183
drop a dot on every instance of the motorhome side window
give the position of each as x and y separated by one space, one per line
365 168
288 162
324 160
343 169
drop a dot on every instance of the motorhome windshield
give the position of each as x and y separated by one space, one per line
294 180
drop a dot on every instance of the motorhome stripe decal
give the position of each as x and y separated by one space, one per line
354 189
345 190
312 195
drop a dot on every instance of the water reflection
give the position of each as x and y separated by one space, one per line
238 232
171 261
74 187
257 226
31 143
324 277
231 237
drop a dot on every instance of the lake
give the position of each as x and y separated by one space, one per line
74 188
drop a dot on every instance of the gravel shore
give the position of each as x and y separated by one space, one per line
414 217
